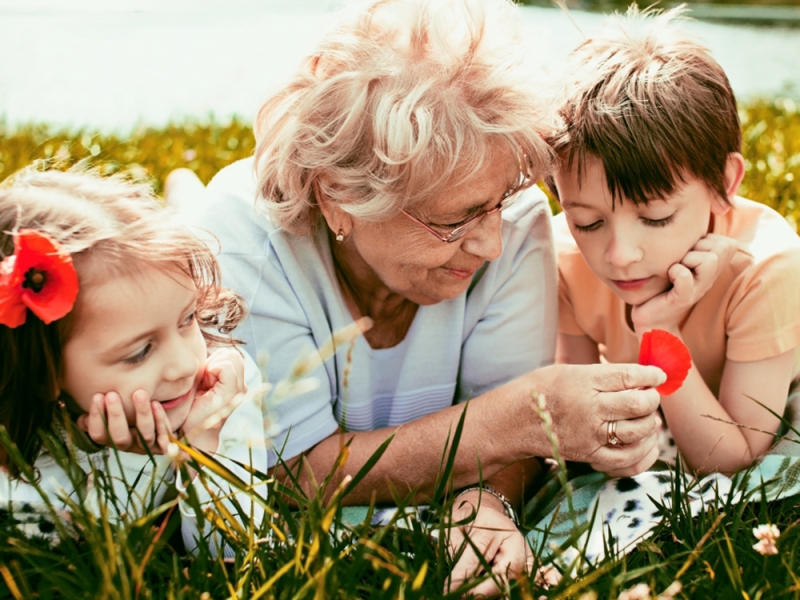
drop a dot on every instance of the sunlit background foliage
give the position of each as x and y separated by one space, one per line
771 133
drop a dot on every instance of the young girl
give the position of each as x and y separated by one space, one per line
105 310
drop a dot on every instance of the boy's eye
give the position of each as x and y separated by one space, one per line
139 356
587 228
659 222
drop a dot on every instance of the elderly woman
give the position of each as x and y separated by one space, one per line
395 171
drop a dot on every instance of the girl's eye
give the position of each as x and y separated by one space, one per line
659 222
189 319
588 228
139 356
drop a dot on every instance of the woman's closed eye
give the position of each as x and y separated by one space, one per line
448 226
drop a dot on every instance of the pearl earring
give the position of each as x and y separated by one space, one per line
340 235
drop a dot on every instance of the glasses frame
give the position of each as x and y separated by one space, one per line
460 231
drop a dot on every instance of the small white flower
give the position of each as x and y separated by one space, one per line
673 590
766 536
189 155
767 532
765 547
173 451
641 591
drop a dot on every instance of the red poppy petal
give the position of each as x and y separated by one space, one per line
12 310
36 250
666 351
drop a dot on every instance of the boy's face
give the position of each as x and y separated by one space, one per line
137 332
631 247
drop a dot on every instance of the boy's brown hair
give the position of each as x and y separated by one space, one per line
651 104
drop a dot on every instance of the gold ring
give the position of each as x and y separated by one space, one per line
613 440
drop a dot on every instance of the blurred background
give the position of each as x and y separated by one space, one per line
150 85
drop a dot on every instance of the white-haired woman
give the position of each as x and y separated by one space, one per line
395 172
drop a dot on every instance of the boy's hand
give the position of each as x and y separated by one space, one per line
107 424
221 390
691 279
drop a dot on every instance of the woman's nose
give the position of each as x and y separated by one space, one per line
486 239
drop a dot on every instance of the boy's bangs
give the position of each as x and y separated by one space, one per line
638 173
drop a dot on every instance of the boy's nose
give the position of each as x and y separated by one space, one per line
622 252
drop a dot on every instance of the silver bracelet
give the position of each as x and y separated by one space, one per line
507 506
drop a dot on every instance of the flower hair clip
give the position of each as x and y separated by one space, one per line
39 276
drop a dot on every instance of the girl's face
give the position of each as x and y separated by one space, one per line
137 332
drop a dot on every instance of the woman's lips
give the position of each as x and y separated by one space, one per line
629 285
461 273
175 402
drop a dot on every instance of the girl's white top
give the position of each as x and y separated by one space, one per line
134 482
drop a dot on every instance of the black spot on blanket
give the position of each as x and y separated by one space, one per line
626 484
631 505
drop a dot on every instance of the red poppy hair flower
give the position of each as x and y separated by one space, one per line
38 276
667 352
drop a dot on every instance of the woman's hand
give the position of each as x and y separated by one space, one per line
107 424
582 401
691 279
492 533
220 391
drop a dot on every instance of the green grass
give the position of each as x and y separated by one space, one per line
311 552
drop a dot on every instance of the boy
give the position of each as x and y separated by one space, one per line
653 236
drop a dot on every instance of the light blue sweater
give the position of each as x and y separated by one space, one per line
504 326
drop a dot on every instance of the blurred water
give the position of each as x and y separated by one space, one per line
113 64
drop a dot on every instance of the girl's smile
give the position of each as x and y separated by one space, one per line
133 332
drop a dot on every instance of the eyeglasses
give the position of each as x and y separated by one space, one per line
460 231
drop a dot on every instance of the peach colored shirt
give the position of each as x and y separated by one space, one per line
751 313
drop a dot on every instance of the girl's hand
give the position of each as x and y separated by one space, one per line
107 424
221 390
691 279
491 533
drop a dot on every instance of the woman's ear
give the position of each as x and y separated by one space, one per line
336 218
734 173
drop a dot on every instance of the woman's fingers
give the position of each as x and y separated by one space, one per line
609 378
628 431
500 544
616 458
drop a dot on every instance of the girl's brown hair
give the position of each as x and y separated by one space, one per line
121 228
